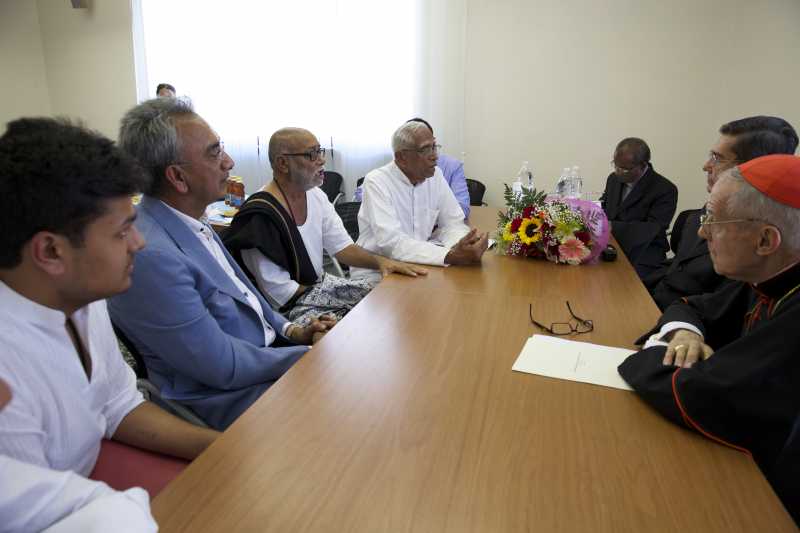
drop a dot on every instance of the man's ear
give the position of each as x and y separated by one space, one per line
49 252
177 178
769 240
281 164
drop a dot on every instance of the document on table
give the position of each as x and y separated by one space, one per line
573 361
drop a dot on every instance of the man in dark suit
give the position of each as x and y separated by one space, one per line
690 271
639 203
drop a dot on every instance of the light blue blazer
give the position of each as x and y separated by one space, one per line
202 343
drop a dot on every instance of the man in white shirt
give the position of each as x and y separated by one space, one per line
68 241
409 213
279 235
33 498
209 339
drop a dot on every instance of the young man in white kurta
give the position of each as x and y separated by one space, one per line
68 242
57 416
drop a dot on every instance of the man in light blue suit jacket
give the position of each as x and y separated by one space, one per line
208 337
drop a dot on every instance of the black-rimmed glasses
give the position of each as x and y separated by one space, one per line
564 328
311 155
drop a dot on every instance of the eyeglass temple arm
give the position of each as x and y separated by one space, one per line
576 317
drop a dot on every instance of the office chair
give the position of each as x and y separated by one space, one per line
332 186
476 191
348 212
676 234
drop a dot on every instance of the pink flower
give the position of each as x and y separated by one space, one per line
573 251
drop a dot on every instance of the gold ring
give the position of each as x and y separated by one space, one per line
679 346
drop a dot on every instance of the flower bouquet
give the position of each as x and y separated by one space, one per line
561 230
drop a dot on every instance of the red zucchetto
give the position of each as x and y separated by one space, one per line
776 176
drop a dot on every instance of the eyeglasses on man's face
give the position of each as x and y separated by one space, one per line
707 220
622 171
312 155
425 151
580 325
215 153
715 159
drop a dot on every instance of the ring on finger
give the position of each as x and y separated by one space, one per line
679 346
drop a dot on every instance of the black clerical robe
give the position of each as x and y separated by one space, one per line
747 394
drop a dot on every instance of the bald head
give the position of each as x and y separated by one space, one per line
297 159
286 141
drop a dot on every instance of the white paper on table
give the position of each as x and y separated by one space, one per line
573 361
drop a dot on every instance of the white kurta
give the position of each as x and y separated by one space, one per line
57 417
33 498
322 230
397 219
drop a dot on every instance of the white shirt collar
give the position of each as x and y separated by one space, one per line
30 311
194 224
400 174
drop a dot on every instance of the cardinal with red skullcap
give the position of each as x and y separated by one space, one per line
727 364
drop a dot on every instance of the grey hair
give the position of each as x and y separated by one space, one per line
749 202
148 133
403 137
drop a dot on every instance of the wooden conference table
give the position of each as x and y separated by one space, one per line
408 417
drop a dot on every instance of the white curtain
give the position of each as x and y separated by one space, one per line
348 70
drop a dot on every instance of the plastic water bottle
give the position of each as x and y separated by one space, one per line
516 187
575 182
530 179
524 176
562 184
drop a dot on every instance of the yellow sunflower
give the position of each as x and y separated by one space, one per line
529 230
507 235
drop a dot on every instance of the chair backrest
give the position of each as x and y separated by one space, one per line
131 352
348 212
332 185
121 467
359 181
476 191
677 233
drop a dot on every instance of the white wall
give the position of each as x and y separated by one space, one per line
556 82
560 82
441 88
23 90
88 55
56 60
